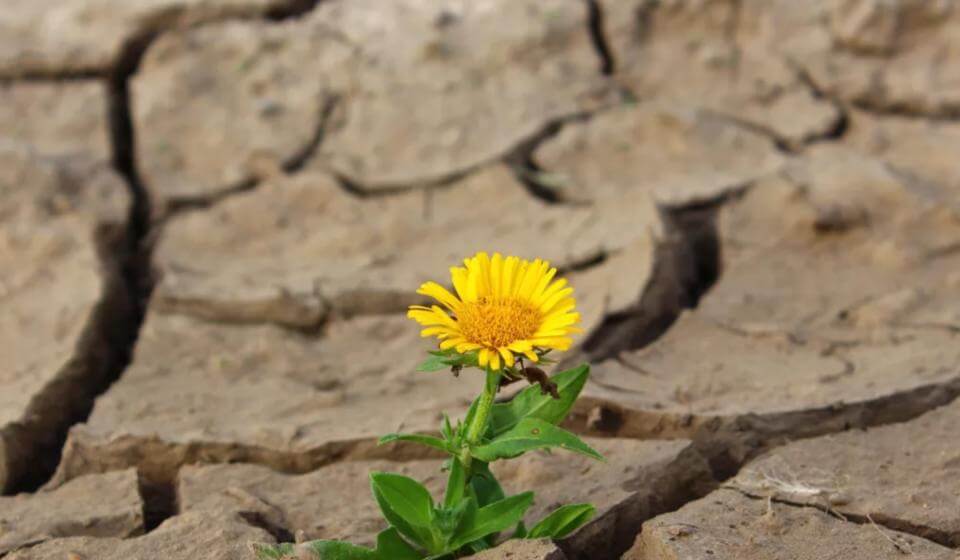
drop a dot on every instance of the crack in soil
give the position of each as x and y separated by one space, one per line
152 25
158 462
106 345
526 169
598 37
731 441
835 131
937 536
687 263
882 108
519 158
294 163
660 489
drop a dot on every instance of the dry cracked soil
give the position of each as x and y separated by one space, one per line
213 214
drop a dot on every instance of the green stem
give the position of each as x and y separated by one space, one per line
460 472
479 425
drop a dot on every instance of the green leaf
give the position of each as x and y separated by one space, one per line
446 430
467 421
563 521
493 518
530 434
487 490
422 439
469 359
478 545
468 514
520 532
456 484
485 484
406 505
391 546
532 403
449 520
445 359
433 363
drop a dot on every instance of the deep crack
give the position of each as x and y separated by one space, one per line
659 489
106 345
687 263
159 499
730 442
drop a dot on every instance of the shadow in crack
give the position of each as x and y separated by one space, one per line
687 265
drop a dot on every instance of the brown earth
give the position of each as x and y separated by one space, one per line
215 213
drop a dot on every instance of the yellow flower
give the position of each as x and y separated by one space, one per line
503 306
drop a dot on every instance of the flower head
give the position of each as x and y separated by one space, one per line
502 307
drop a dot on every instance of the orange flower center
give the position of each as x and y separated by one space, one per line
498 322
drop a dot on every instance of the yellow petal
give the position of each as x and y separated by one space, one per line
561 332
426 318
431 331
551 289
483 279
508 360
441 294
555 299
521 346
510 266
563 306
542 284
494 360
459 275
483 357
556 321
473 280
519 277
450 343
534 273
555 342
467 346
496 275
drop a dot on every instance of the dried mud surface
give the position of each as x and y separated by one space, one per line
215 212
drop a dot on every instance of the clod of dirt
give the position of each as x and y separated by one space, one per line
733 56
888 57
65 39
727 524
97 505
262 394
296 251
459 88
207 535
900 476
810 328
523 550
678 154
56 118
